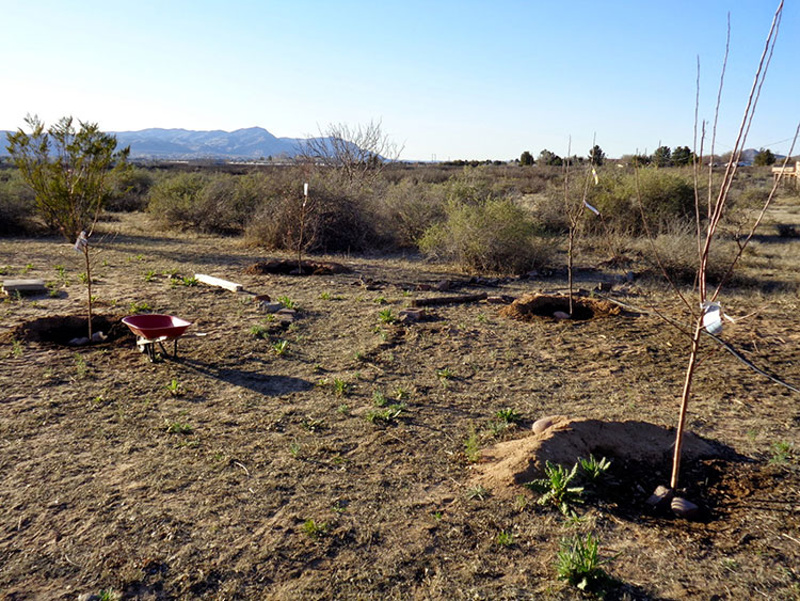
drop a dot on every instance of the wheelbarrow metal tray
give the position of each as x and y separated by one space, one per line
154 326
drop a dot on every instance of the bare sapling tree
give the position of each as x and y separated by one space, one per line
357 153
706 310
70 171
304 208
576 209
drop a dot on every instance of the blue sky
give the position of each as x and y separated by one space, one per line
447 79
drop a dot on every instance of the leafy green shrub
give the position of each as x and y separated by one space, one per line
493 235
173 200
663 196
130 191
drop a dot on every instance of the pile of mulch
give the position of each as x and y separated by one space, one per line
536 306
293 267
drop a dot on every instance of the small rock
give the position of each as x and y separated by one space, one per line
684 509
561 315
99 337
443 285
411 315
269 307
82 341
544 423
532 274
262 298
660 497
630 276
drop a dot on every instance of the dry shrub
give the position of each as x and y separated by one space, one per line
675 252
17 206
335 220
406 210
493 235
217 203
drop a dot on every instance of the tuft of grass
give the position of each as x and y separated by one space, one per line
472 448
16 348
189 280
259 331
149 275
387 415
177 427
80 366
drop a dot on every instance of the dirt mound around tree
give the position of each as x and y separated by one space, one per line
506 465
536 306
60 330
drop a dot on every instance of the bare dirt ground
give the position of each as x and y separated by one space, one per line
339 465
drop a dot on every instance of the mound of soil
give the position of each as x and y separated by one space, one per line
506 465
536 306
61 329
290 267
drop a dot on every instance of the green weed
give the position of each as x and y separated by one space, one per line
149 275
592 468
16 348
387 415
177 427
174 388
386 316
472 448
781 452
314 530
508 416
80 366
504 538
189 280
579 564
478 493
139 307
287 302
555 488
341 387
280 347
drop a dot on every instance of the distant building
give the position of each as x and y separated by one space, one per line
789 174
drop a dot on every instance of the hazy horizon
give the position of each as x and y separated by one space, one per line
447 80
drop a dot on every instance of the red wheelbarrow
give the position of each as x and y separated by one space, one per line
153 328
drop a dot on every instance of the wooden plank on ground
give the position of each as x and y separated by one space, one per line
448 300
212 281
24 286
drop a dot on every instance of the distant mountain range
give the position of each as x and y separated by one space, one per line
184 144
